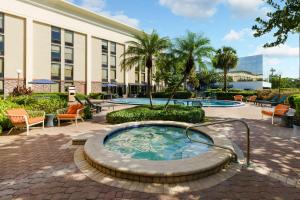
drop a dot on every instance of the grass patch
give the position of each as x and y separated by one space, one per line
144 113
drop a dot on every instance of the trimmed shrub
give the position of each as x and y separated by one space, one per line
178 95
80 96
49 106
144 113
230 95
62 96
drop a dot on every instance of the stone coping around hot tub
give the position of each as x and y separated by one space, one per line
96 153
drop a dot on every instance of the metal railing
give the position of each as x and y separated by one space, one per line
223 147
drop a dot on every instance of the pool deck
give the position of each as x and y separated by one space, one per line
41 165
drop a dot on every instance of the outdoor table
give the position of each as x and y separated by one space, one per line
50 120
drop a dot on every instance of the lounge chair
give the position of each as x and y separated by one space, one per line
197 104
176 102
275 103
21 119
279 111
93 106
261 102
72 113
252 99
78 100
238 97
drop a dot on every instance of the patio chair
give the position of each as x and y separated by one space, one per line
261 102
252 99
238 97
176 102
96 107
72 113
197 104
279 111
78 100
20 118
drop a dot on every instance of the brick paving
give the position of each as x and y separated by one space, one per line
41 166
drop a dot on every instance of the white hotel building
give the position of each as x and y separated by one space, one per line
59 41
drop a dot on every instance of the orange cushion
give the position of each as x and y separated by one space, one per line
281 110
73 108
35 120
66 116
238 97
269 113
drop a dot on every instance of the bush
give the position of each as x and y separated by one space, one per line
178 95
293 99
144 113
21 90
49 106
62 96
80 96
230 95
96 95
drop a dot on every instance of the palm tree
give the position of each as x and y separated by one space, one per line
142 51
225 59
188 50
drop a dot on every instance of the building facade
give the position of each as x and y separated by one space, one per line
59 41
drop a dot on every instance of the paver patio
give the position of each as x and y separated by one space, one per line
41 166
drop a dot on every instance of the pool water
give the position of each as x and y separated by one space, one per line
205 103
155 142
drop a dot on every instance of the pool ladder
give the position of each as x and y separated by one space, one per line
223 147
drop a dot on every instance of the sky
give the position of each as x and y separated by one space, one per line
224 22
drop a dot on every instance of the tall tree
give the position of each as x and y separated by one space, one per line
225 59
142 51
282 20
188 50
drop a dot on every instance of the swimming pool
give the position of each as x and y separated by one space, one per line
157 142
205 102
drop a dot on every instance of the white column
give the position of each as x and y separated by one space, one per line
126 73
29 51
88 64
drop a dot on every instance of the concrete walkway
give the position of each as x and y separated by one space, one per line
41 166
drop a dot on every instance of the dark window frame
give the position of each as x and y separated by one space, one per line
111 49
72 76
2 74
2 52
67 60
54 59
104 47
2 29
54 77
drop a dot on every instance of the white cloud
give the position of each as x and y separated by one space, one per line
99 7
237 35
244 8
192 8
272 61
279 51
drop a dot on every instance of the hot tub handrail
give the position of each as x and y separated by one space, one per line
223 147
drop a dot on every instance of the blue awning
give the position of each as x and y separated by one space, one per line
42 82
109 85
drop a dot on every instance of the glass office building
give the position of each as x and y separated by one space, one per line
252 64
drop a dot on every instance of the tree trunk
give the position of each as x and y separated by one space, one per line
149 85
225 79
174 91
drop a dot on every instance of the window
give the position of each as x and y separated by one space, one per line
104 75
113 75
1 23
104 46
143 68
55 71
113 48
69 55
137 68
69 38
55 53
1 67
113 61
55 87
104 60
55 35
137 77
68 72
143 77
1 45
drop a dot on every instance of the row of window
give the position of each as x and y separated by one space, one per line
137 74
113 61
56 49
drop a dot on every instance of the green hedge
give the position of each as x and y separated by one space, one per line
144 113
230 95
62 96
99 95
178 95
292 99
4 121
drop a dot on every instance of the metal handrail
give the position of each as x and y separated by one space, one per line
222 147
